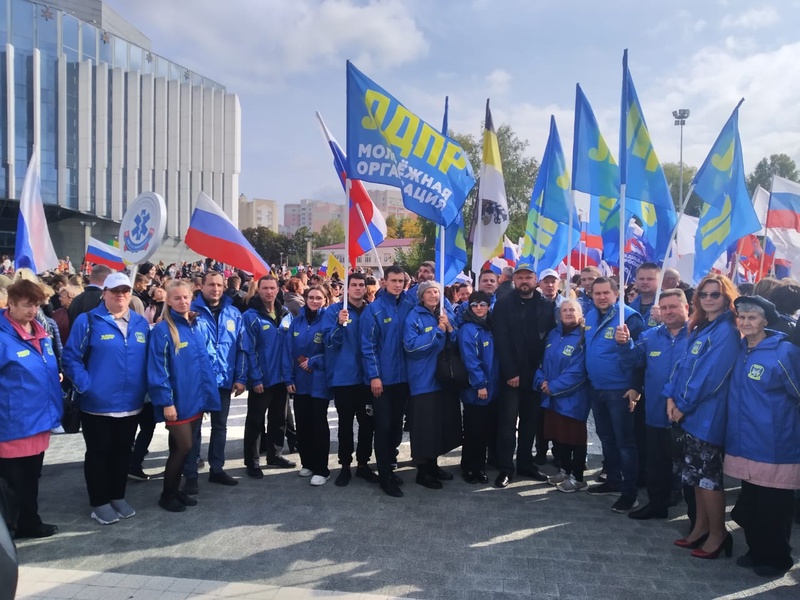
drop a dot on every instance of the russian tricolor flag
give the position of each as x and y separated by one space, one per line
33 248
212 234
373 220
104 254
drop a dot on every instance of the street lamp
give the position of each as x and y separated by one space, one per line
680 119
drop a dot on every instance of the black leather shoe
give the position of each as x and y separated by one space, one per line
396 479
255 472
481 477
427 479
441 474
222 478
769 571
469 477
190 486
185 499
649 512
540 459
367 474
281 463
532 473
503 480
43 530
391 489
343 478
171 503
746 561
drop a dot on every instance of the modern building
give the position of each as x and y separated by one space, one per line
258 213
314 214
387 252
111 119
390 203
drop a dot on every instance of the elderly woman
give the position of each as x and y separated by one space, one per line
435 411
566 402
697 399
30 402
762 439
106 359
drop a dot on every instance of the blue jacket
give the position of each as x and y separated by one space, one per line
648 320
564 370
659 354
764 402
460 309
423 341
186 380
699 386
476 345
305 338
108 369
30 394
602 358
227 337
382 338
343 346
262 340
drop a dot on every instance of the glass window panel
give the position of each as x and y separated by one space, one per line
162 67
104 45
3 31
22 24
89 36
120 53
47 31
70 31
135 60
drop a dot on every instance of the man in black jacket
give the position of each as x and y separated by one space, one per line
89 299
522 321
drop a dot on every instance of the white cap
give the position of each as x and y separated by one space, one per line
116 280
548 273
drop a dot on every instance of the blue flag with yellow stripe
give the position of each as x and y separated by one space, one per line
727 212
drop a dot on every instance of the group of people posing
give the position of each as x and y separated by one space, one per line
711 388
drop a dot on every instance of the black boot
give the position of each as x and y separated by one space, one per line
426 476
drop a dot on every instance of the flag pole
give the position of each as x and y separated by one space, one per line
569 245
673 237
348 185
766 231
369 237
441 267
623 227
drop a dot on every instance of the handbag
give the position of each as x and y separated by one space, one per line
677 442
71 419
450 369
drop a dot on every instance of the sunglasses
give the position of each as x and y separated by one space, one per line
479 304
712 295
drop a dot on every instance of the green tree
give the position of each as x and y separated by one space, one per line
330 234
269 244
672 173
777 164
391 227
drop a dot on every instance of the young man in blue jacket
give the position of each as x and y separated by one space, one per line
658 351
611 390
384 364
224 321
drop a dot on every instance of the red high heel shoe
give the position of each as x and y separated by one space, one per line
727 545
684 543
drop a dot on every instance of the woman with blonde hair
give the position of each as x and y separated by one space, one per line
182 384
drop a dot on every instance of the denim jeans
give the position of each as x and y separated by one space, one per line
216 445
614 424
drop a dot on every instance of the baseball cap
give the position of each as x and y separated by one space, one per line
549 273
523 266
116 280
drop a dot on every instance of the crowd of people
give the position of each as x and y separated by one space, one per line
684 385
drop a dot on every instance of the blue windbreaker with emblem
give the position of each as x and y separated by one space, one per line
564 370
30 394
699 386
659 353
305 338
343 345
649 321
262 340
227 337
476 346
764 402
602 359
382 338
422 342
187 380
108 369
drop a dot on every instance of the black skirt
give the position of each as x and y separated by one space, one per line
435 424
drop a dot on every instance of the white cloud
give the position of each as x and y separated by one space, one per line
755 18
498 82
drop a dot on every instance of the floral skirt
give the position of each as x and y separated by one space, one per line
702 466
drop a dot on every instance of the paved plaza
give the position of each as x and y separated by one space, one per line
279 538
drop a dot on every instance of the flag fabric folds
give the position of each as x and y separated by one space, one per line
594 170
104 254
510 252
722 222
783 219
492 205
388 144
33 248
212 234
455 250
359 241
331 266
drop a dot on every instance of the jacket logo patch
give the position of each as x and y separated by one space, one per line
49 349
486 343
318 338
652 322
265 327
183 345
696 347
568 350
23 353
587 327
140 337
296 333
756 371
655 353
107 336
609 334
428 329
387 320
231 325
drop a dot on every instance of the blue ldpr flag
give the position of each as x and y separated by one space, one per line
557 201
727 212
388 144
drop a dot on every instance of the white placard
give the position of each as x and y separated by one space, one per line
142 228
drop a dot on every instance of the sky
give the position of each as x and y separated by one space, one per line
286 59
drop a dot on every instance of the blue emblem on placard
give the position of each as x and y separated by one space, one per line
139 238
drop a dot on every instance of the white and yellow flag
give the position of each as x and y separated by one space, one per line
492 218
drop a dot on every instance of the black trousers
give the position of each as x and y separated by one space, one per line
659 466
313 433
480 421
269 406
389 410
640 433
147 425
523 405
765 515
572 458
108 455
351 403
22 476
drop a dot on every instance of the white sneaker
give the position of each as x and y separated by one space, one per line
571 485
57 430
318 480
559 477
305 472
